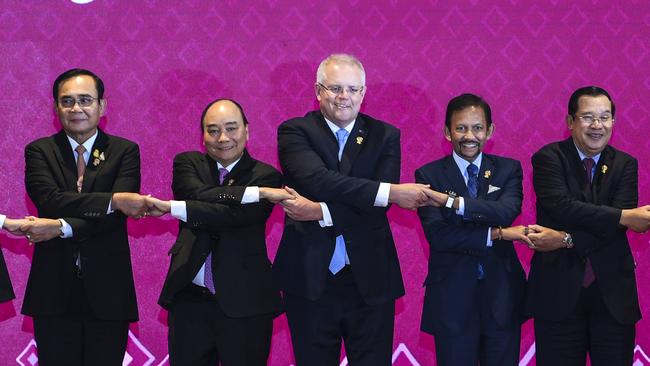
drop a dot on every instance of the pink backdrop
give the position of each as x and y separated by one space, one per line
162 62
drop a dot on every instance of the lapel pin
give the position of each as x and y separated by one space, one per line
487 174
96 162
604 169
99 157
231 181
359 140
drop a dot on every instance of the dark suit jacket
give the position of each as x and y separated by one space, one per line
234 232
458 245
565 201
100 238
6 291
308 154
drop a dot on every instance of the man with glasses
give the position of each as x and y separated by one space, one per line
582 290
337 262
82 181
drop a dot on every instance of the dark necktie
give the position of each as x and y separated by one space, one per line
81 166
338 257
590 277
207 275
472 188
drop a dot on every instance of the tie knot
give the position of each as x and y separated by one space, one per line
588 163
341 134
472 170
222 174
80 149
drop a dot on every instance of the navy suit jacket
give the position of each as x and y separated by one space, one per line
308 153
590 213
458 245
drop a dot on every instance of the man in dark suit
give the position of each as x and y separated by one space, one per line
582 291
337 262
219 290
12 226
475 285
80 289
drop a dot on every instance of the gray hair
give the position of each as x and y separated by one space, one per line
339 58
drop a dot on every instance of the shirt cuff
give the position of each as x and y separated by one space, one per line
66 229
251 195
2 220
461 206
179 210
327 217
489 238
382 195
110 207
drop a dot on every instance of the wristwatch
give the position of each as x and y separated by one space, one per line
568 240
450 200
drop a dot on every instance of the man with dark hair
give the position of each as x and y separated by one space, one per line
337 262
219 291
582 291
80 289
475 285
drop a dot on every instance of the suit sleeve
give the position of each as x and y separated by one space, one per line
503 211
187 185
299 161
591 225
215 217
54 202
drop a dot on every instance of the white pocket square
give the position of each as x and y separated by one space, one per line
492 188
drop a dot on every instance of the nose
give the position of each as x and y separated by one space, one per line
76 107
223 137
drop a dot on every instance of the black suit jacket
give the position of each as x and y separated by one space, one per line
590 213
308 153
6 291
234 232
100 238
458 245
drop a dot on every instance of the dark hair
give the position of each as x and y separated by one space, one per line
99 84
591 91
241 110
467 100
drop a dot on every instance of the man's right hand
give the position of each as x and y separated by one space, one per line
156 207
275 195
13 226
408 195
636 219
131 204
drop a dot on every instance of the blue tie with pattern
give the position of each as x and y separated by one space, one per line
472 188
338 258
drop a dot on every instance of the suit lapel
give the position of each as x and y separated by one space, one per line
66 160
239 171
454 176
353 145
600 180
95 163
485 176
576 168
208 170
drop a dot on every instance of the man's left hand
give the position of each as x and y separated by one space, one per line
545 239
301 208
38 229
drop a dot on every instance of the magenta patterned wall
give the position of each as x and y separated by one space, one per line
163 61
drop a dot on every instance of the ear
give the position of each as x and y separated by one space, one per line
102 107
447 134
317 91
570 121
247 135
490 131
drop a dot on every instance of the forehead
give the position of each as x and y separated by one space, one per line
468 116
343 73
588 103
223 112
80 84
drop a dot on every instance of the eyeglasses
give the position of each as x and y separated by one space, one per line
589 119
82 100
338 90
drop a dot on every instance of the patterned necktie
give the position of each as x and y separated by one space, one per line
207 275
472 180
338 257
590 277
81 166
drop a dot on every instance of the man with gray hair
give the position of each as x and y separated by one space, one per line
337 262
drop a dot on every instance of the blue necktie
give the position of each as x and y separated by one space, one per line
338 258
207 275
472 188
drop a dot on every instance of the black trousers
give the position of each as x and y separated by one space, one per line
78 337
318 327
591 329
200 334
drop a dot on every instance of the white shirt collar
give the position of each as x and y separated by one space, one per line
583 156
463 164
335 128
88 144
229 167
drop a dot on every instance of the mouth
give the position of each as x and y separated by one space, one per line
225 148
595 136
341 106
469 144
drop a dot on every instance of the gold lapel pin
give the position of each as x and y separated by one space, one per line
231 181
604 169
487 174
359 140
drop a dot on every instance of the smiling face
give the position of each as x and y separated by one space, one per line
79 122
592 136
224 132
341 108
468 132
